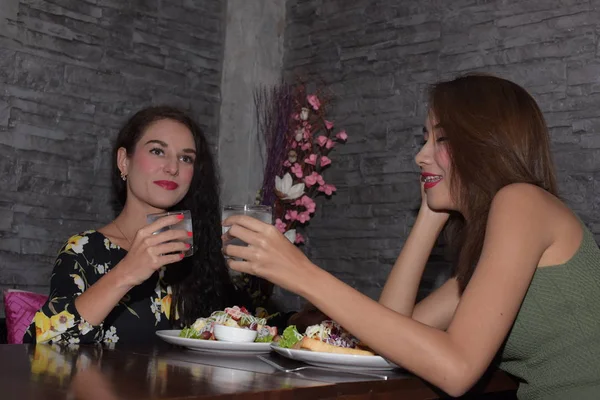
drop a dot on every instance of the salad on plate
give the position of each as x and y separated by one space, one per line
236 317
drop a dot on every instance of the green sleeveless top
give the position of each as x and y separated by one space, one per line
553 347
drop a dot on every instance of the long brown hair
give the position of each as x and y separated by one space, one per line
496 135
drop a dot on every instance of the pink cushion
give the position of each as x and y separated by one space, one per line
20 308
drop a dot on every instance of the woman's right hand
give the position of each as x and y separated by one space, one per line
149 251
436 217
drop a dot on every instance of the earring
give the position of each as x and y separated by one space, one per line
123 176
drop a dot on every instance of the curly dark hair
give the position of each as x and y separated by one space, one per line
201 283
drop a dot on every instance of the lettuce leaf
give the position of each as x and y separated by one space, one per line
290 337
264 339
189 333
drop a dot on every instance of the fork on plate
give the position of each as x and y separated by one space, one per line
313 367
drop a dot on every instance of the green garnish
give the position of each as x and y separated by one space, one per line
189 333
264 339
290 337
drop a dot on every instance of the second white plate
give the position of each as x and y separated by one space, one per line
337 361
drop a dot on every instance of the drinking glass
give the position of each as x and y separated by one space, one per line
261 213
185 224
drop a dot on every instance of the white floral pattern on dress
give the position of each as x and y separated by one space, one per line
76 243
164 294
81 262
109 245
101 268
79 282
84 327
156 308
110 335
55 339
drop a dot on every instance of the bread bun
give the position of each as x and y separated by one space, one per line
317 345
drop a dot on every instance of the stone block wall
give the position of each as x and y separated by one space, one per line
71 72
378 58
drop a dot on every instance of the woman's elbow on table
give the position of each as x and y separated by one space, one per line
458 388
458 379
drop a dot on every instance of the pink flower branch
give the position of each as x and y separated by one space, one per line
309 139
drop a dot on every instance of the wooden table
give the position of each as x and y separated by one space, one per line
160 371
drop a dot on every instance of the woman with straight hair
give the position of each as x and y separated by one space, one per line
526 284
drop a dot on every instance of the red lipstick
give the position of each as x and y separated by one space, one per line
432 181
167 185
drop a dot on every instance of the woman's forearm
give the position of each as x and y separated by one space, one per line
400 291
426 351
99 299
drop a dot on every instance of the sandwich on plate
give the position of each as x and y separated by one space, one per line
326 337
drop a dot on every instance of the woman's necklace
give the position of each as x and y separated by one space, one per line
125 236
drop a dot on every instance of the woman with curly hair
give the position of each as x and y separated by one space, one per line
122 282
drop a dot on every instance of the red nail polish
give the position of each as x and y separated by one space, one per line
180 217
187 246
181 255
190 234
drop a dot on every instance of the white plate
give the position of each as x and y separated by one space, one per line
214 346
337 361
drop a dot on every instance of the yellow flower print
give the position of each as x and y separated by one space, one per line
62 321
165 304
76 243
42 327
47 329
78 281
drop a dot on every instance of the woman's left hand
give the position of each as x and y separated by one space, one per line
269 254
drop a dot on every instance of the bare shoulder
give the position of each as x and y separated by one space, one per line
519 212
518 192
529 200
532 209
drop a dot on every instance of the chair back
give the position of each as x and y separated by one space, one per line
19 308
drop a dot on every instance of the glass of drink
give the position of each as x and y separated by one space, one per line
185 224
261 213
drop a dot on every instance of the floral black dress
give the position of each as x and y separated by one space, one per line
82 261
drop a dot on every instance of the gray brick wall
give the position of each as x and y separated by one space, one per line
378 57
71 71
